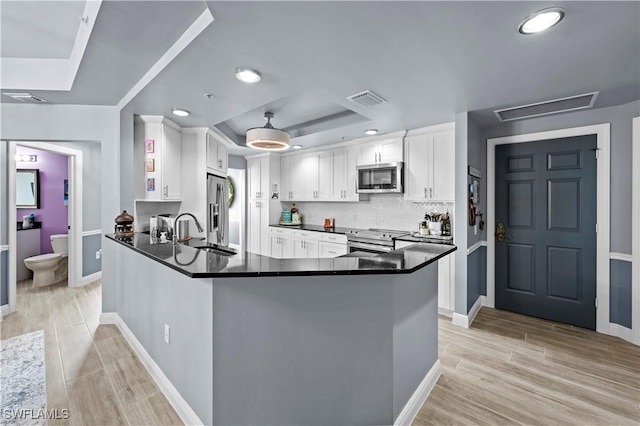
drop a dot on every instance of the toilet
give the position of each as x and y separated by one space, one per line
50 268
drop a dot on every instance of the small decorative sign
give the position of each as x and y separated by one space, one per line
150 165
475 172
151 184
149 145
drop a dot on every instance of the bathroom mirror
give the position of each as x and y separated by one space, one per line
28 188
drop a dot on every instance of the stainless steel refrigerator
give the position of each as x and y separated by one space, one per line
218 212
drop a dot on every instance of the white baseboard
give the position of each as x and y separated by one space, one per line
466 320
622 332
418 398
4 311
445 312
185 412
90 278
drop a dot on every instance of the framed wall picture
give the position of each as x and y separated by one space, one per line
150 165
149 145
151 184
66 192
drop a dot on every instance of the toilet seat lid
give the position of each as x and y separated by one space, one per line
42 257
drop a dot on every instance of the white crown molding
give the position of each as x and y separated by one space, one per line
51 74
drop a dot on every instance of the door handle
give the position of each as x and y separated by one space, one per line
425 192
431 192
501 232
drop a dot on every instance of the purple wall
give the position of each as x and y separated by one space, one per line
52 212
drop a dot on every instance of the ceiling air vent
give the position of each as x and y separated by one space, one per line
367 98
25 97
549 107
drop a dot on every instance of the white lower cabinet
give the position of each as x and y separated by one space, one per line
326 249
446 279
289 244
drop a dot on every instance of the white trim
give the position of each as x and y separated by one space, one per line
185 412
621 256
602 131
185 39
476 246
466 320
4 311
4 248
75 212
412 407
432 129
445 312
88 279
622 332
635 235
26 74
92 232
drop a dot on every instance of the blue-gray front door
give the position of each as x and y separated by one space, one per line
546 248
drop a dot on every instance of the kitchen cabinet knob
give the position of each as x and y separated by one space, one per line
425 192
431 192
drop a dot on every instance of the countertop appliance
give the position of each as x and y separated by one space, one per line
375 241
218 212
380 178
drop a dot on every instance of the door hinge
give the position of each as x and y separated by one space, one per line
597 150
596 302
597 229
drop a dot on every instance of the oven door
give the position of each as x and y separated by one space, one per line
353 246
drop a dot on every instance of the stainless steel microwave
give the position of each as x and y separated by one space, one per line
380 178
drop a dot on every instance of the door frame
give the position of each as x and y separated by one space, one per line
635 236
602 132
75 213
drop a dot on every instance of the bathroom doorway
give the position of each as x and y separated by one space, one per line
73 198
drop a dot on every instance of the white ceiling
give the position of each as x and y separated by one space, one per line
39 29
430 60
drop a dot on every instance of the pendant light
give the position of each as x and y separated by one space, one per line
268 138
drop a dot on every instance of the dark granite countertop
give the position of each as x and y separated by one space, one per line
36 225
197 263
427 239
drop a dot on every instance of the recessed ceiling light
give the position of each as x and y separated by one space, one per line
541 20
180 112
371 132
297 147
247 75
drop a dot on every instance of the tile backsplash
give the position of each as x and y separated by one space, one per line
385 211
143 210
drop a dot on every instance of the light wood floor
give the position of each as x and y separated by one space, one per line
506 369
90 368
509 369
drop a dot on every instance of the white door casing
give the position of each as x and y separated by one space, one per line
602 132
75 214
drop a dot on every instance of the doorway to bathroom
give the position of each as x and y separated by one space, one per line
69 193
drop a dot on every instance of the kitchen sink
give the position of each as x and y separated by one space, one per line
216 249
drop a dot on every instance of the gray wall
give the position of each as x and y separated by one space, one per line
477 158
4 279
476 275
72 123
620 298
90 245
237 162
460 212
620 118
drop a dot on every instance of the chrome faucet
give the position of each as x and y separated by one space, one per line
175 233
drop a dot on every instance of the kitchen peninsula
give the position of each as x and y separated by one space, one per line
259 340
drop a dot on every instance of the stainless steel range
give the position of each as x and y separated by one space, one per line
372 241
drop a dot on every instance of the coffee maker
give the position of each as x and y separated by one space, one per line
161 228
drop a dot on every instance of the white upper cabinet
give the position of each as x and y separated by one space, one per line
217 156
158 156
430 164
383 151
258 178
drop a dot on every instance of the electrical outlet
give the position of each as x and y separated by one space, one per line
99 254
166 333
